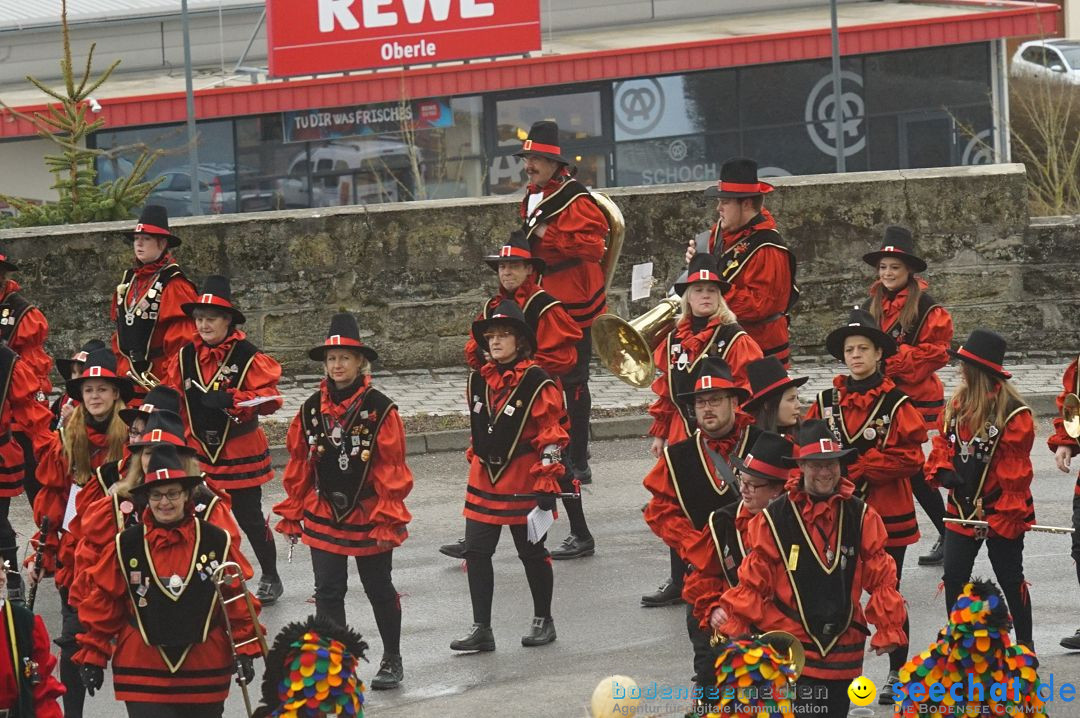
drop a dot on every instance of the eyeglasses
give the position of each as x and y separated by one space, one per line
753 486
497 335
714 403
171 495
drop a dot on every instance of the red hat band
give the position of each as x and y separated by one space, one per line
756 187
336 340
94 372
760 467
821 446
509 251
158 436
770 387
891 248
141 228
531 146
214 301
978 359
165 475
703 276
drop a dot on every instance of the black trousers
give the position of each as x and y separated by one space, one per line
818 697
332 583
678 568
480 542
69 672
575 512
175 710
579 401
899 657
704 658
1076 528
1006 558
247 508
930 500
9 546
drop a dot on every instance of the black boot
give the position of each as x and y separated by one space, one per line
454 550
541 633
668 594
479 639
1072 642
583 474
937 554
573 547
390 674
270 590
886 696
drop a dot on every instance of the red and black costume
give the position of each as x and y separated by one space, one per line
1060 438
988 474
27 686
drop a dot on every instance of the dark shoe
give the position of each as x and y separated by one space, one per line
885 696
668 594
583 475
270 590
936 556
573 547
541 633
454 550
480 639
390 674
1072 642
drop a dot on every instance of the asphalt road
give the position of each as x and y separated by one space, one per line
602 628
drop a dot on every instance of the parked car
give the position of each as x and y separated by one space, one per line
1054 59
334 169
217 192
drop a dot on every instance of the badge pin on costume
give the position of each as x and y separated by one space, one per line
176 584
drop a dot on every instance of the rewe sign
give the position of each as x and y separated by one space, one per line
308 37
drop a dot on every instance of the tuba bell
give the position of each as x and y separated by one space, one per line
786 645
1070 415
626 347
616 235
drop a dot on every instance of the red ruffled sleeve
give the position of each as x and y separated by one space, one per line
28 340
704 586
761 288
663 514
261 380
902 454
916 364
885 610
578 232
393 481
1011 469
173 326
296 478
29 411
751 602
663 409
548 415
743 351
49 690
1059 438
557 336
474 358
104 609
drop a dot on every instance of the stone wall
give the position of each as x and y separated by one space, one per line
413 275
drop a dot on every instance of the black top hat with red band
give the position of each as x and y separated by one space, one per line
766 458
984 350
860 324
702 268
6 265
713 374
163 428
344 333
897 243
516 249
154 221
543 141
738 178
166 467
65 366
160 398
507 313
767 378
815 442
216 294
101 364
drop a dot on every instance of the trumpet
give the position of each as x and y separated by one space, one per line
786 644
145 379
229 576
1070 415
1035 527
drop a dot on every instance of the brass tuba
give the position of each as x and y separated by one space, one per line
626 348
1070 415
616 235
784 643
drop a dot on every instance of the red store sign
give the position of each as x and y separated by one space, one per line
308 37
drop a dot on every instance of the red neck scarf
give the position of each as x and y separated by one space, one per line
761 221
215 355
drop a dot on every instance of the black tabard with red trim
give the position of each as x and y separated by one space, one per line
552 206
534 308
134 339
343 463
695 481
973 465
681 369
727 542
896 331
822 588
212 427
497 442
879 420
732 260
12 310
172 622
18 625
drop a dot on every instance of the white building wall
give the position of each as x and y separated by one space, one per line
32 181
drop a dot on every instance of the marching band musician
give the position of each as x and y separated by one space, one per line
93 435
150 325
71 368
983 457
865 412
566 228
557 335
226 383
923 331
518 432
694 477
1064 448
345 485
752 257
153 607
774 397
27 685
809 556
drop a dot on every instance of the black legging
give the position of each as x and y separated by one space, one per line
898 657
678 569
1076 528
332 582
704 658
930 500
9 546
480 542
819 697
579 401
75 695
247 508
1007 560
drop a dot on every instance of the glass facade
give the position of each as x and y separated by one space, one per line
919 108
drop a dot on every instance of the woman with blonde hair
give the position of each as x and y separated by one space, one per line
983 457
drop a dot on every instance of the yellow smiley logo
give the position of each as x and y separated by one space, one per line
862 691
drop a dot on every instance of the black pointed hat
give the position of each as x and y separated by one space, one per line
860 324
160 398
166 466
766 458
516 249
898 243
738 178
984 350
101 364
154 220
543 141
163 428
815 442
343 333
6 265
64 366
702 268
216 294
713 374
507 312
768 377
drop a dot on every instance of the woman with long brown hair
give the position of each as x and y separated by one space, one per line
983 457
774 397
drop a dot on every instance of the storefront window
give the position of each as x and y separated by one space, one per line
578 115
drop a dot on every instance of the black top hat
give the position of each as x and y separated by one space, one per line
216 294
64 366
702 269
768 377
738 178
101 364
766 458
713 374
815 442
516 249
507 312
163 427
166 466
343 333
154 221
860 324
898 243
160 398
984 350
6 265
543 141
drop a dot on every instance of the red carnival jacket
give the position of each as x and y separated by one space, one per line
1059 438
48 690
23 411
28 340
705 585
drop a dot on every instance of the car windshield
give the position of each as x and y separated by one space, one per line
1072 55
